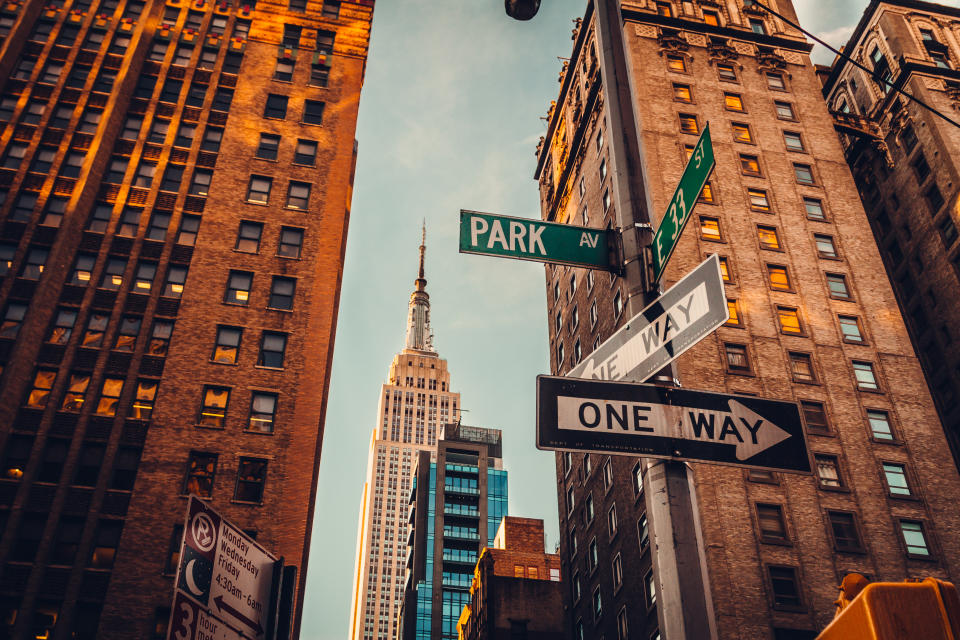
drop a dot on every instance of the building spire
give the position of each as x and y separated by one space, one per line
419 335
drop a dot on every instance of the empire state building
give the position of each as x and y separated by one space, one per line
414 403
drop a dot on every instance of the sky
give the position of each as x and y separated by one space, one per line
452 107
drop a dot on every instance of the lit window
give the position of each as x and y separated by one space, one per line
226 350
749 165
12 319
768 238
238 287
664 9
689 124
176 278
733 102
40 392
96 327
681 93
725 270
105 544
127 334
263 412
160 337
143 399
201 471
213 410
741 132
109 396
62 326
76 390
779 279
676 63
789 321
733 311
801 367
758 199
713 19
710 228
200 183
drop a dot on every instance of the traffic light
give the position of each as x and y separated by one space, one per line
521 9
928 609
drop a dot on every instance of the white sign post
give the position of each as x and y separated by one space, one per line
226 573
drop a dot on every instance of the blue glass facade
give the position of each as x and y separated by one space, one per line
425 587
496 501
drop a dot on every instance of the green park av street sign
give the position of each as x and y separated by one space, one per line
681 204
525 239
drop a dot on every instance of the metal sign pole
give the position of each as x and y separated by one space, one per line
679 563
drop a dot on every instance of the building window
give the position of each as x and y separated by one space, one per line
801 367
895 475
846 536
125 469
689 124
828 471
272 349
710 229
12 320
268 147
200 183
312 112
758 199
607 474
263 412
109 397
593 557
238 287
786 587
223 96
768 237
212 136
157 227
789 319
866 380
771 523
737 359
62 327
176 279
105 544
733 311
814 416
733 102
258 191
251 477
837 284
850 329
76 390
775 81
617 305
160 337
276 106
559 356
187 234
588 509
331 9
677 64
129 221
597 604
793 141
934 198
226 350
741 132
213 408
880 427
284 70
915 538
757 26
298 195
96 327
248 237
726 72
804 173
725 269
281 292
779 278
784 110
142 407
576 587
305 153
948 231
682 93
201 471
650 592
33 263
594 315
825 246
291 242
127 333
749 165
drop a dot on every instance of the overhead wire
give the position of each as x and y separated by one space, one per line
857 64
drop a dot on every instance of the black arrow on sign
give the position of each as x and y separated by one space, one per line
253 624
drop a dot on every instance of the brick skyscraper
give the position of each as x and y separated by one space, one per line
813 320
414 403
905 162
176 187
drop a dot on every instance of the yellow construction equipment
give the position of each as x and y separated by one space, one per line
926 609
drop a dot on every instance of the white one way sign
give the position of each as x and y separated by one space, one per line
674 322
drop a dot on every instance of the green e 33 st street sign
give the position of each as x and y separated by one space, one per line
681 204
526 239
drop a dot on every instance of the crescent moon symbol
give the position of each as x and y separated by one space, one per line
191 583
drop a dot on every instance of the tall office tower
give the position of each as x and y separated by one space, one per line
176 185
458 498
414 403
813 319
904 160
